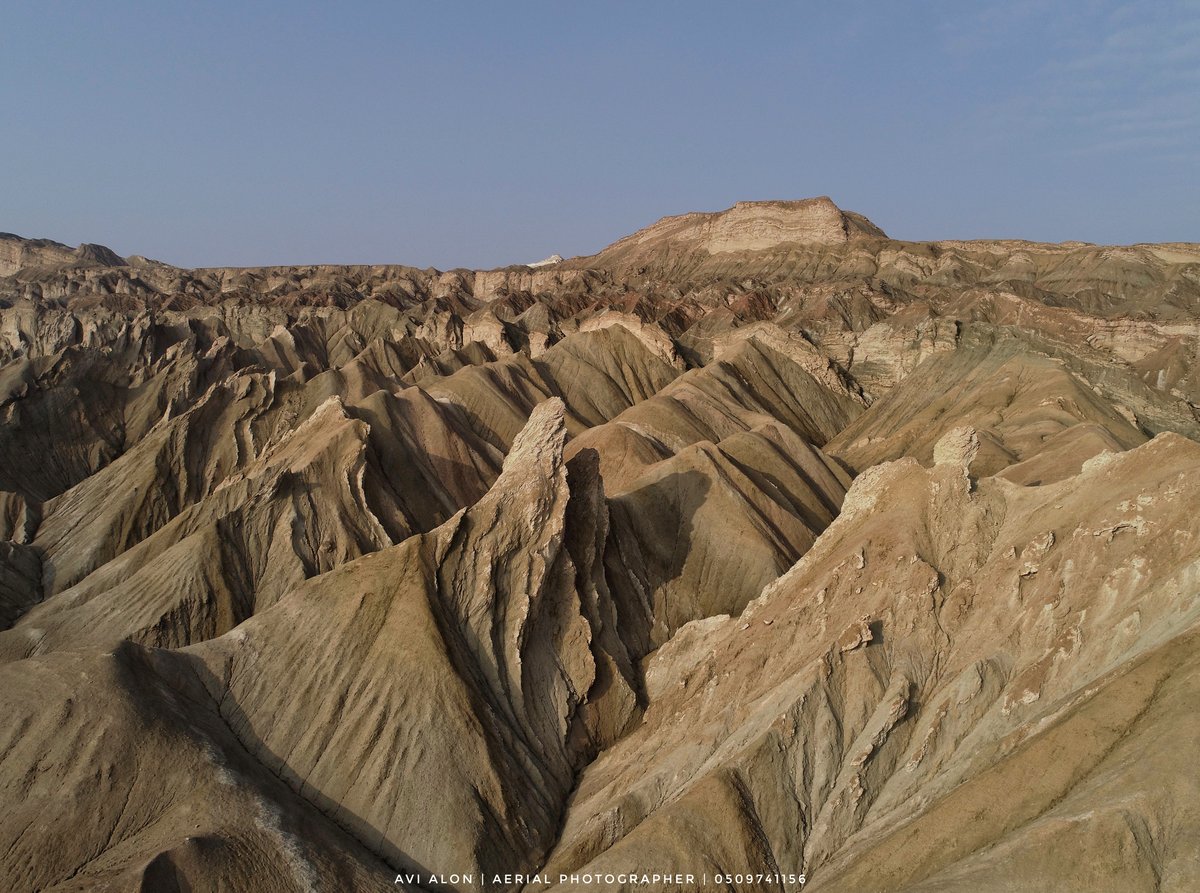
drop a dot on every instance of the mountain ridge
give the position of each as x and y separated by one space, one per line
860 559
817 219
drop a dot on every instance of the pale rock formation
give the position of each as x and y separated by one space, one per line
755 543
754 226
957 447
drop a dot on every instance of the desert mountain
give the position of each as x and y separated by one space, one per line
756 544
746 227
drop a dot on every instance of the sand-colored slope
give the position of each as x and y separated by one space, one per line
346 482
598 374
311 575
485 655
881 712
700 533
1022 403
752 384
119 773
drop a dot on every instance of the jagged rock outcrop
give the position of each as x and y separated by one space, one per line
918 667
502 669
758 543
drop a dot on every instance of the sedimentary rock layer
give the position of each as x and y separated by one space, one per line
756 544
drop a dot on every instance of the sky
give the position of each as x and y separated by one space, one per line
455 134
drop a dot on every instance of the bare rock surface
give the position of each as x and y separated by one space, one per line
915 703
751 226
757 543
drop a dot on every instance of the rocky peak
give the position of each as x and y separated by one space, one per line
537 452
99 254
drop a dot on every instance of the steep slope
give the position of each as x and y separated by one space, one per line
871 701
1023 405
701 533
747 226
484 654
598 374
758 543
481 631
20 583
160 795
336 488
752 384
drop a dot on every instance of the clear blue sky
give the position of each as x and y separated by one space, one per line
478 134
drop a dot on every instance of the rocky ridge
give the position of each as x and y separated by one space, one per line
756 543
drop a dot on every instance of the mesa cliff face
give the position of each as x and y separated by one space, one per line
757 543
751 226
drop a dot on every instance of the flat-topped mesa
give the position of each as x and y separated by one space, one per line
17 252
755 226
